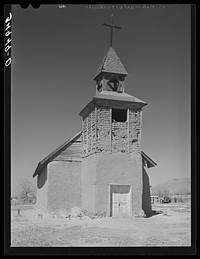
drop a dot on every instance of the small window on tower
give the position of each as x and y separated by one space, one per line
119 115
99 85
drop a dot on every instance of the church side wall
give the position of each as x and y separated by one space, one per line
42 187
88 182
146 195
64 185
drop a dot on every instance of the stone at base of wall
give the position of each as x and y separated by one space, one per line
140 214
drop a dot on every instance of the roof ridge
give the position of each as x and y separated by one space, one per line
56 152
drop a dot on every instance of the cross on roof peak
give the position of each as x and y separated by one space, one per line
112 26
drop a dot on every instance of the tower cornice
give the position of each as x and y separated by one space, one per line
113 100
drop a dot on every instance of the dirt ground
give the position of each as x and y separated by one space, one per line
170 226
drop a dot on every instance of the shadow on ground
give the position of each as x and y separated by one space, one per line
154 212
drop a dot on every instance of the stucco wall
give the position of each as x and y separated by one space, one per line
64 185
146 195
88 182
118 168
100 170
42 187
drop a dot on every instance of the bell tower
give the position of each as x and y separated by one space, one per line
111 142
111 74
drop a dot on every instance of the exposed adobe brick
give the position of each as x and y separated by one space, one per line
134 130
119 136
84 136
88 128
103 129
96 132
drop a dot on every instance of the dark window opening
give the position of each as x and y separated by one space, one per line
134 140
99 88
99 85
119 115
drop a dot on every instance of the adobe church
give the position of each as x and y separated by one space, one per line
102 168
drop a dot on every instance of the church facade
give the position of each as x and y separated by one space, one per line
102 168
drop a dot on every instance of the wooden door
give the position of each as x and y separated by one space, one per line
115 205
120 200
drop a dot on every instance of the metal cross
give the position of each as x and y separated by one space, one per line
112 26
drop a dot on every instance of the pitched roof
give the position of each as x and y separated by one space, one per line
111 64
68 143
118 96
55 153
148 160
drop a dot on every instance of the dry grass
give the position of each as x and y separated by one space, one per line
172 227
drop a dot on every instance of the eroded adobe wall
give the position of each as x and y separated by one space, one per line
89 131
96 128
120 136
135 130
126 136
64 185
103 129
101 134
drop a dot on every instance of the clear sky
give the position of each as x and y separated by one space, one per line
55 55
